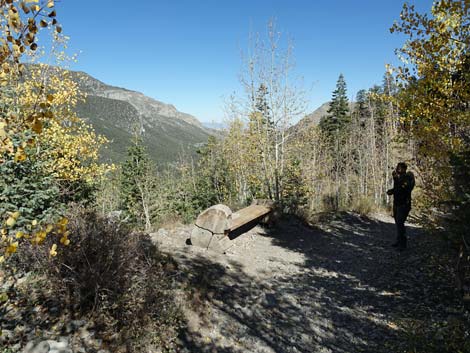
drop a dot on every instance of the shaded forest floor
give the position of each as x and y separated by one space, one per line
336 287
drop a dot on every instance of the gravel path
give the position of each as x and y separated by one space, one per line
338 287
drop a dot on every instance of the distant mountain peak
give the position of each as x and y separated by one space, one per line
315 117
146 106
117 113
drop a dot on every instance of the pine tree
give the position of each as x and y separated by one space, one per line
262 106
361 109
135 172
338 114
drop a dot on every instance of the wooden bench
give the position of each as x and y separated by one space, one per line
245 218
216 227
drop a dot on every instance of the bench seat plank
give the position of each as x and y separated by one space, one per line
247 215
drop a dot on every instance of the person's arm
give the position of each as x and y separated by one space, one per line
395 179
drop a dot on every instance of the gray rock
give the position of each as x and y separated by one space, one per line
6 336
34 347
162 232
247 312
48 346
55 345
305 339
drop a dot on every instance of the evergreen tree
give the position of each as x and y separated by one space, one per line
361 109
378 105
262 106
135 171
338 114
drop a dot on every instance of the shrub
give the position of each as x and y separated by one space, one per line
330 203
363 205
118 278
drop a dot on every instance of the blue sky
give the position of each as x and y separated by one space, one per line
187 52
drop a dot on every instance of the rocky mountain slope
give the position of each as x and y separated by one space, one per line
315 117
119 114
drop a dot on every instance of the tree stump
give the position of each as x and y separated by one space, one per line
209 229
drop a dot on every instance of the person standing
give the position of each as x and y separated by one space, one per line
403 184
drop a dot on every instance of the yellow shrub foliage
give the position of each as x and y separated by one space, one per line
37 119
68 146
20 23
435 77
72 151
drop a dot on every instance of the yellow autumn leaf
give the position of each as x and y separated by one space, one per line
11 249
19 235
20 156
64 240
53 251
10 222
37 126
63 221
15 214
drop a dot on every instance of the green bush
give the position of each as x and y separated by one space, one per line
26 188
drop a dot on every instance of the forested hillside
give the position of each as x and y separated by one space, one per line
119 114
97 227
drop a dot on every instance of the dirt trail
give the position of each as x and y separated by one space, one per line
338 287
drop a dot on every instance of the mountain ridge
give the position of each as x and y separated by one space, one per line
94 86
119 113
313 119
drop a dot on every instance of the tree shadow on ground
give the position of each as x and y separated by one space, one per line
345 297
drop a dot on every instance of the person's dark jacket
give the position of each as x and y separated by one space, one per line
402 187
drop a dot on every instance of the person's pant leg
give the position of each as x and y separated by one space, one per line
401 213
